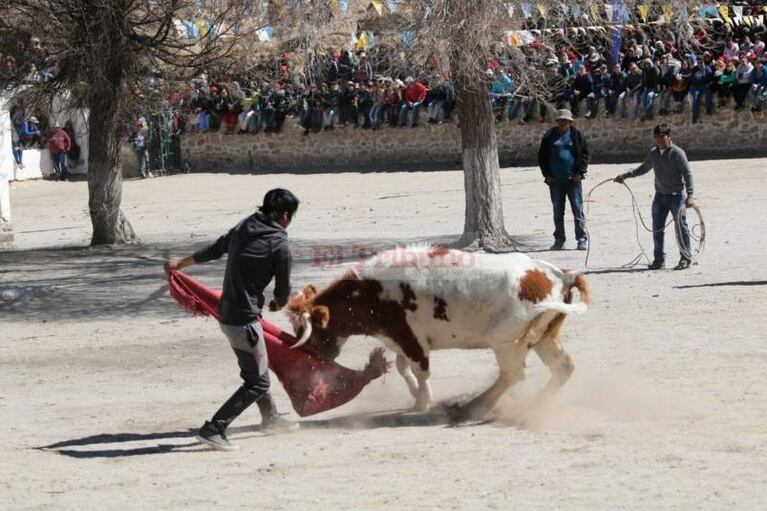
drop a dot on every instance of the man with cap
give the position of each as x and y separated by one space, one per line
564 159
29 132
59 144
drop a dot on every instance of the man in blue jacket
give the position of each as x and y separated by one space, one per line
258 251
564 159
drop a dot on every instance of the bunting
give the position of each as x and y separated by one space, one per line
510 10
393 5
408 39
362 41
667 12
377 5
575 10
738 11
643 12
594 11
724 10
527 9
685 14
344 5
265 34
542 10
609 12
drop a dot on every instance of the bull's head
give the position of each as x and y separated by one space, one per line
310 322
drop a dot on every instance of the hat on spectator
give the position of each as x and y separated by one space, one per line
398 83
564 115
489 72
213 89
34 120
409 79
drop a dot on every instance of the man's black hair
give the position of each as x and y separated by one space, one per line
277 202
662 129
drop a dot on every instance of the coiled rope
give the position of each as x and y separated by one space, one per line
697 230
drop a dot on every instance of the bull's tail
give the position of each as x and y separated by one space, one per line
570 281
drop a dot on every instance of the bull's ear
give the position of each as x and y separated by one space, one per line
310 291
321 315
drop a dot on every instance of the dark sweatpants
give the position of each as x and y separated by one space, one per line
249 347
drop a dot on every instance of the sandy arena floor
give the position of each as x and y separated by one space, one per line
104 379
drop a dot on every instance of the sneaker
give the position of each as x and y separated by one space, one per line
278 424
583 245
683 264
657 264
558 245
217 440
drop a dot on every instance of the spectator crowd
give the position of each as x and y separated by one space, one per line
655 72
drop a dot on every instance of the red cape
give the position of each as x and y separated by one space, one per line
313 382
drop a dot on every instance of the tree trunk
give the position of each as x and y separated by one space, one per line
110 225
483 223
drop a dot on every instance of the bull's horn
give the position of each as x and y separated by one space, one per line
307 331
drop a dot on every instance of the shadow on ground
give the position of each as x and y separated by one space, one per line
184 441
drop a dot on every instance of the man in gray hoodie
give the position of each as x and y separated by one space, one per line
673 190
257 251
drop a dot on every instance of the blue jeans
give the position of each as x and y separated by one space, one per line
648 95
574 193
143 162
662 205
17 154
403 113
696 93
59 163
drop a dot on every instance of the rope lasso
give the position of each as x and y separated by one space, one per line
697 231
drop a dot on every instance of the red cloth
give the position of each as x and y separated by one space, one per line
313 382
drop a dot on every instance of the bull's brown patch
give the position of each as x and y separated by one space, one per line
440 309
408 297
438 252
355 307
534 286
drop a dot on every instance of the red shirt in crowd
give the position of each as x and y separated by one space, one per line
414 93
59 142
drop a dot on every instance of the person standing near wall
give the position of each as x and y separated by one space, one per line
673 190
141 148
564 159
59 144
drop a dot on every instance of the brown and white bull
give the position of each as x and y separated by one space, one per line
419 299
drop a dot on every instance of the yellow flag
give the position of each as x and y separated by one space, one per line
362 41
378 6
201 28
335 6
542 8
594 11
724 11
667 12
643 10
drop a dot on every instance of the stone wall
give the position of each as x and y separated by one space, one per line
724 134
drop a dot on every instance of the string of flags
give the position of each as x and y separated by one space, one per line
615 11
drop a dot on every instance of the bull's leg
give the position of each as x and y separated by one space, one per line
559 362
511 362
403 367
423 395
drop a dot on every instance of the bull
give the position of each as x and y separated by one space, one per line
419 299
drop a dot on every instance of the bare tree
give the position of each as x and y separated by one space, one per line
98 55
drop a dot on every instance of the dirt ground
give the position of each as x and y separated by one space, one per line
104 379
